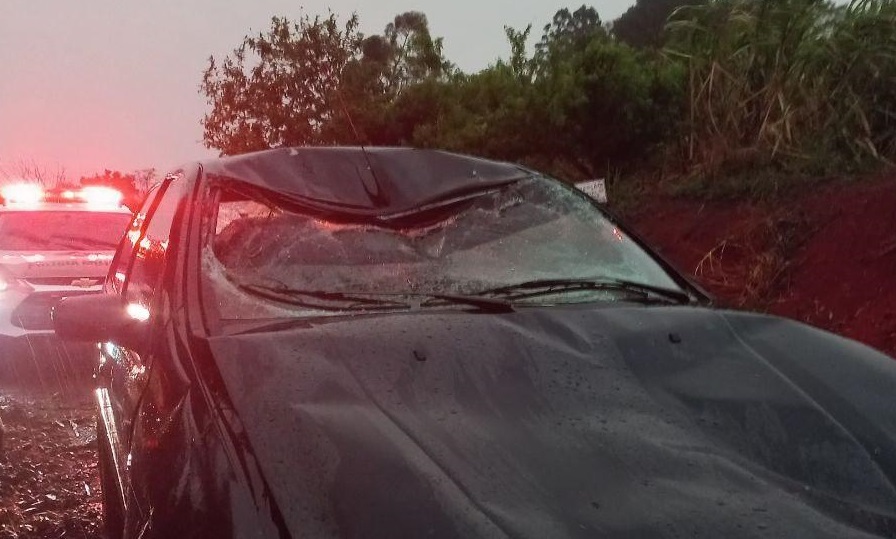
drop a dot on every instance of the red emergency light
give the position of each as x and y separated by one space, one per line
22 193
29 194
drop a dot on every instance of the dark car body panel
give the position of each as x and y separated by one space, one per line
597 419
564 422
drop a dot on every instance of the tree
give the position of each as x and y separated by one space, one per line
487 113
643 24
316 82
145 179
569 32
32 171
278 88
582 103
520 64
594 103
606 107
414 55
403 57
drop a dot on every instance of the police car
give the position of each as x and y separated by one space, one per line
53 244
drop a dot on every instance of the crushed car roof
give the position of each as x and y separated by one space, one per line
365 181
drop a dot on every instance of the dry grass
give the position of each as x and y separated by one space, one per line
748 268
797 82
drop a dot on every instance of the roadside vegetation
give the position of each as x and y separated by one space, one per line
715 98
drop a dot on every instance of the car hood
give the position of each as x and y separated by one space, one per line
62 264
568 422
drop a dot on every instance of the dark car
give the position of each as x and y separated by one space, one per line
339 342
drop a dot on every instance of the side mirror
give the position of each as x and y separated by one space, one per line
99 318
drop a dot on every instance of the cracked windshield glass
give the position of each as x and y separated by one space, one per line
530 230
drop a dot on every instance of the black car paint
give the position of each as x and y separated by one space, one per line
458 424
551 421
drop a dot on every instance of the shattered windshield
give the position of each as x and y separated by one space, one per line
531 230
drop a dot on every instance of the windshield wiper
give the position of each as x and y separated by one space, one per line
332 301
542 287
490 305
339 301
369 300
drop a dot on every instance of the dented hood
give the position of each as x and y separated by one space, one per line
568 422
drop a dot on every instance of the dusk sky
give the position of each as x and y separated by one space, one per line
93 84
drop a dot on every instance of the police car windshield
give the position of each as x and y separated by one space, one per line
61 230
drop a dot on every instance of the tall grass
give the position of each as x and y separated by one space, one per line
787 81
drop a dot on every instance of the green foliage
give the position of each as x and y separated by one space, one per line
860 66
608 105
582 105
404 58
643 24
748 90
787 82
487 113
570 32
316 81
521 66
278 88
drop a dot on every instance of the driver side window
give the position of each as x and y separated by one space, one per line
118 270
138 269
150 252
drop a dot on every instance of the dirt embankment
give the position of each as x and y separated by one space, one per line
827 257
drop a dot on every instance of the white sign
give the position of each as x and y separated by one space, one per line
596 189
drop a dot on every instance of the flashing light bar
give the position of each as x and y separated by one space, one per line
31 194
101 196
22 193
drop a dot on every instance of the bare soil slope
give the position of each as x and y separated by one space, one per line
827 258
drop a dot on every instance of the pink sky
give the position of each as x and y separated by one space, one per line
108 84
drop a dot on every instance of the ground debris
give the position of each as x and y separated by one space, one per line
49 487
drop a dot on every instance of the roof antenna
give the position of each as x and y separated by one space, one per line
348 116
360 143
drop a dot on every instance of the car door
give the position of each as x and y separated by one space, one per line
135 275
